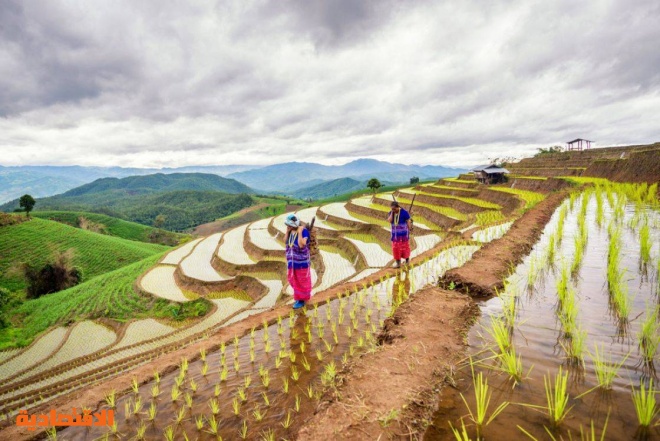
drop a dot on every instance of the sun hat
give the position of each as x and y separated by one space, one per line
292 221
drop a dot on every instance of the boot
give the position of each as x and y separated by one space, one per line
397 264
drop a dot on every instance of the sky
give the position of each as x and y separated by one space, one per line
178 83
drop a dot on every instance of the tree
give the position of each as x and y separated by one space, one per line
27 203
54 276
160 221
374 184
414 180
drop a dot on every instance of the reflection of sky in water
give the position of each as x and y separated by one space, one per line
537 332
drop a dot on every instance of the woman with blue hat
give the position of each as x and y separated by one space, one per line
298 260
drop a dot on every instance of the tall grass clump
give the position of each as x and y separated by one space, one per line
618 287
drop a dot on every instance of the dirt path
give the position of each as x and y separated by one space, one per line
390 393
483 274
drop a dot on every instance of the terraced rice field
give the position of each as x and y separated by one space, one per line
231 249
308 213
142 330
160 282
72 348
491 233
197 265
260 236
144 339
34 354
337 268
338 209
175 257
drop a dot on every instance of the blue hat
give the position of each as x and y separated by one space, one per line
292 221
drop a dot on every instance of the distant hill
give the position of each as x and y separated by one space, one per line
292 176
330 188
42 181
185 199
35 241
112 226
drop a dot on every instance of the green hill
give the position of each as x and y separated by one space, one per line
330 188
36 240
110 295
112 226
182 209
161 183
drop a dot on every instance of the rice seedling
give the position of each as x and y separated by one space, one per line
247 381
297 403
576 347
557 397
241 394
213 426
644 244
223 374
292 357
175 394
310 391
511 364
268 435
264 395
140 432
237 365
265 379
156 377
214 406
179 416
460 435
288 421
329 374
236 406
178 381
306 364
135 386
216 390
111 399
199 422
168 433
193 385
243 431
499 331
258 414
202 354
482 396
606 369
152 412
645 403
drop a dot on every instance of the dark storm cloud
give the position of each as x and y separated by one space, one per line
257 81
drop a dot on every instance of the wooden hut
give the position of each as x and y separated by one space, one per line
490 174
578 144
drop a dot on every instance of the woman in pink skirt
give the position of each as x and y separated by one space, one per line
298 260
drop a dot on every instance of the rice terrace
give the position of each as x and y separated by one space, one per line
529 310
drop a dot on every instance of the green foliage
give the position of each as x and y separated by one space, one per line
95 254
531 198
414 180
27 202
110 295
549 150
374 184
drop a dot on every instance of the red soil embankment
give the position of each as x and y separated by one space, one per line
484 273
388 394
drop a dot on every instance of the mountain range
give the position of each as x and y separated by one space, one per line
287 178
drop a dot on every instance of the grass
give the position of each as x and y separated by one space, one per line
473 201
489 217
531 198
35 242
108 225
110 295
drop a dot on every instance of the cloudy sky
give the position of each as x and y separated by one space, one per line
174 83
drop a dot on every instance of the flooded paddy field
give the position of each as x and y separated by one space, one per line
570 345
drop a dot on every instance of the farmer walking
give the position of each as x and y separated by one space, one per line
401 227
298 260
